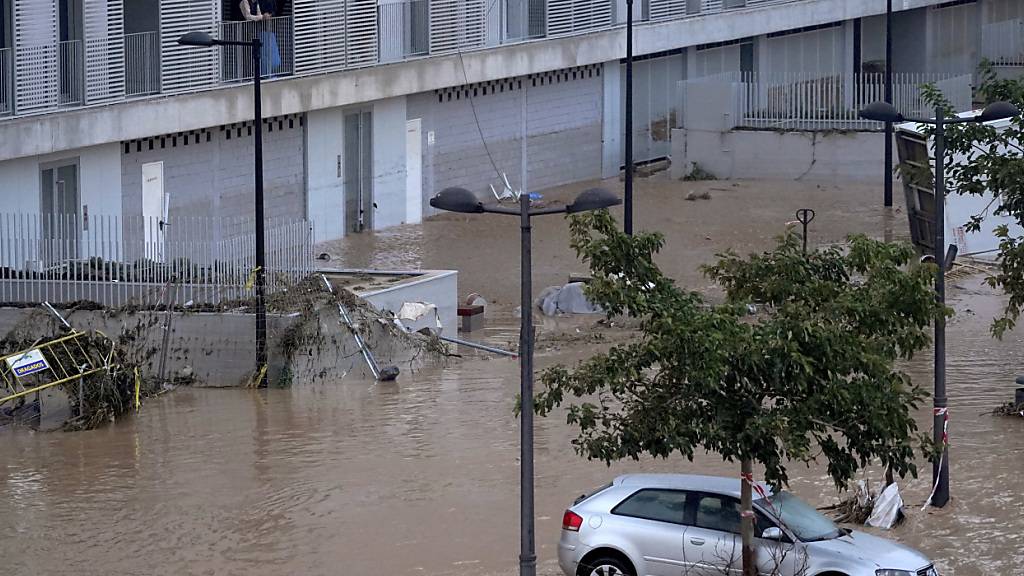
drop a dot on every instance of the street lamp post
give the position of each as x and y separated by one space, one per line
628 214
464 201
888 99
885 112
202 39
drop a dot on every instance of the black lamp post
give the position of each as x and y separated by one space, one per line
628 215
464 201
884 112
888 99
204 40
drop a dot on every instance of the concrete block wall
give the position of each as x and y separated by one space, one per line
560 111
210 172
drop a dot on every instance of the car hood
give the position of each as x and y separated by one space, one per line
881 552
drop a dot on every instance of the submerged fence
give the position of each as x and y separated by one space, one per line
115 260
814 102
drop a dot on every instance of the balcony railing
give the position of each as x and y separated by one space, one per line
525 19
70 67
277 57
404 29
1002 43
142 63
6 82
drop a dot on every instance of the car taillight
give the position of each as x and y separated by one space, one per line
571 521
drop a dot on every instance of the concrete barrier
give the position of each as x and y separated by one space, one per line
776 155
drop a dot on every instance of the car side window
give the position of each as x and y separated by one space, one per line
720 513
650 504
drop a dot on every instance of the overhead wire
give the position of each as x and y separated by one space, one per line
472 104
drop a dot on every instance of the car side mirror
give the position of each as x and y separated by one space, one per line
772 533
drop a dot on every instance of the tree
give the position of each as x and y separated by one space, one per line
811 373
981 159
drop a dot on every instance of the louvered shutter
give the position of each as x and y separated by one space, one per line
187 67
104 51
35 56
456 25
572 16
319 35
360 33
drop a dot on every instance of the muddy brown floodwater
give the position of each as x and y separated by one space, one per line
421 476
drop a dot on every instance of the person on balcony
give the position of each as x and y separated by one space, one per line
270 55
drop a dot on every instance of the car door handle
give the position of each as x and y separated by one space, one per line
697 541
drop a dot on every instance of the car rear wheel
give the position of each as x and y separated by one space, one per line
605 567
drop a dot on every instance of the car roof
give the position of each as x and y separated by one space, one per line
715 484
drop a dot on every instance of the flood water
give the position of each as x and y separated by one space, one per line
421 476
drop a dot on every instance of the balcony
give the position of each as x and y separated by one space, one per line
142 64
6 82
277 56
404 29
69 70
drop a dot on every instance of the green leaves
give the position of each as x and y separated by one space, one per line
980 159
811 373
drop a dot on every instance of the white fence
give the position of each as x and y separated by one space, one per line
116 260
806 102
1002 43
142 63
276 57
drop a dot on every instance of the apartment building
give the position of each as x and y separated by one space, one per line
372 106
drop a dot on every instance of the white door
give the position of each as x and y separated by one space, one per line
154 210
414 171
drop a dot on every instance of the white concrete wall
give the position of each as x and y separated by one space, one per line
611 132
437 287
770 155
954 39
99 180
325 195
389 162
214 175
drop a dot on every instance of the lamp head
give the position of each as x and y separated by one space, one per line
457 200
196 39
881 112
998 111
593 199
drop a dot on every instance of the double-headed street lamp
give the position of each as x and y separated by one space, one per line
204 40
464 201
884 112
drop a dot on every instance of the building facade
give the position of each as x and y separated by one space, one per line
372 106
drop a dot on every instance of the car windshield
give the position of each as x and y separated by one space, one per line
800 517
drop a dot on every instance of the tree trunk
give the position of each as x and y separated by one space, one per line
747 514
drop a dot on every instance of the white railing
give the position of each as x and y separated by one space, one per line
404 29
70 73
142 63
115 260
1002 43
276 57
811 102
6 81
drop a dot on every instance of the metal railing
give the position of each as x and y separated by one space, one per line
70 66
403 29
6 81
114 260
142 63
277 56
525 20
1002 43
812 102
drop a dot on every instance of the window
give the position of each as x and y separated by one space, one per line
660 505
720 513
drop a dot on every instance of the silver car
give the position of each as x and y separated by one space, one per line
679 525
